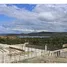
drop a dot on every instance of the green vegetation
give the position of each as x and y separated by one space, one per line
52 42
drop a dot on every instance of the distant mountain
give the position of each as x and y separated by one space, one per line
48 34
39 34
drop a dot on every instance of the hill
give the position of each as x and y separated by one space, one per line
38 34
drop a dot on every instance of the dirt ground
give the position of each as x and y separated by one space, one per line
43 59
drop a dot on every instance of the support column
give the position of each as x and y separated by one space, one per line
46 47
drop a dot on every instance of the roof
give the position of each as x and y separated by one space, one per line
36 46
64 45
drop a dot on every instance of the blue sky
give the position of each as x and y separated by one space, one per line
5 18
26 6
26 18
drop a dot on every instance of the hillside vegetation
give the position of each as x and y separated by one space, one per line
53 43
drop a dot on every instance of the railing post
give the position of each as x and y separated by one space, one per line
9 54
2 57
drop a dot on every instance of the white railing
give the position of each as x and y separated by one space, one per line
9 58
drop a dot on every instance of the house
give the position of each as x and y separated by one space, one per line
64 45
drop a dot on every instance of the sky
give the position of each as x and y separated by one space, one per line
26 18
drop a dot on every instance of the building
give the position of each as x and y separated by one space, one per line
64 45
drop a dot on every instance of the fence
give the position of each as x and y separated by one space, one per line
15 56
12 57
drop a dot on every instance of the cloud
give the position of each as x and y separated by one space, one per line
14 11
45 17
4 30
54 15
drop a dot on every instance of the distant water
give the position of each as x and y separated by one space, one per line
33 36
